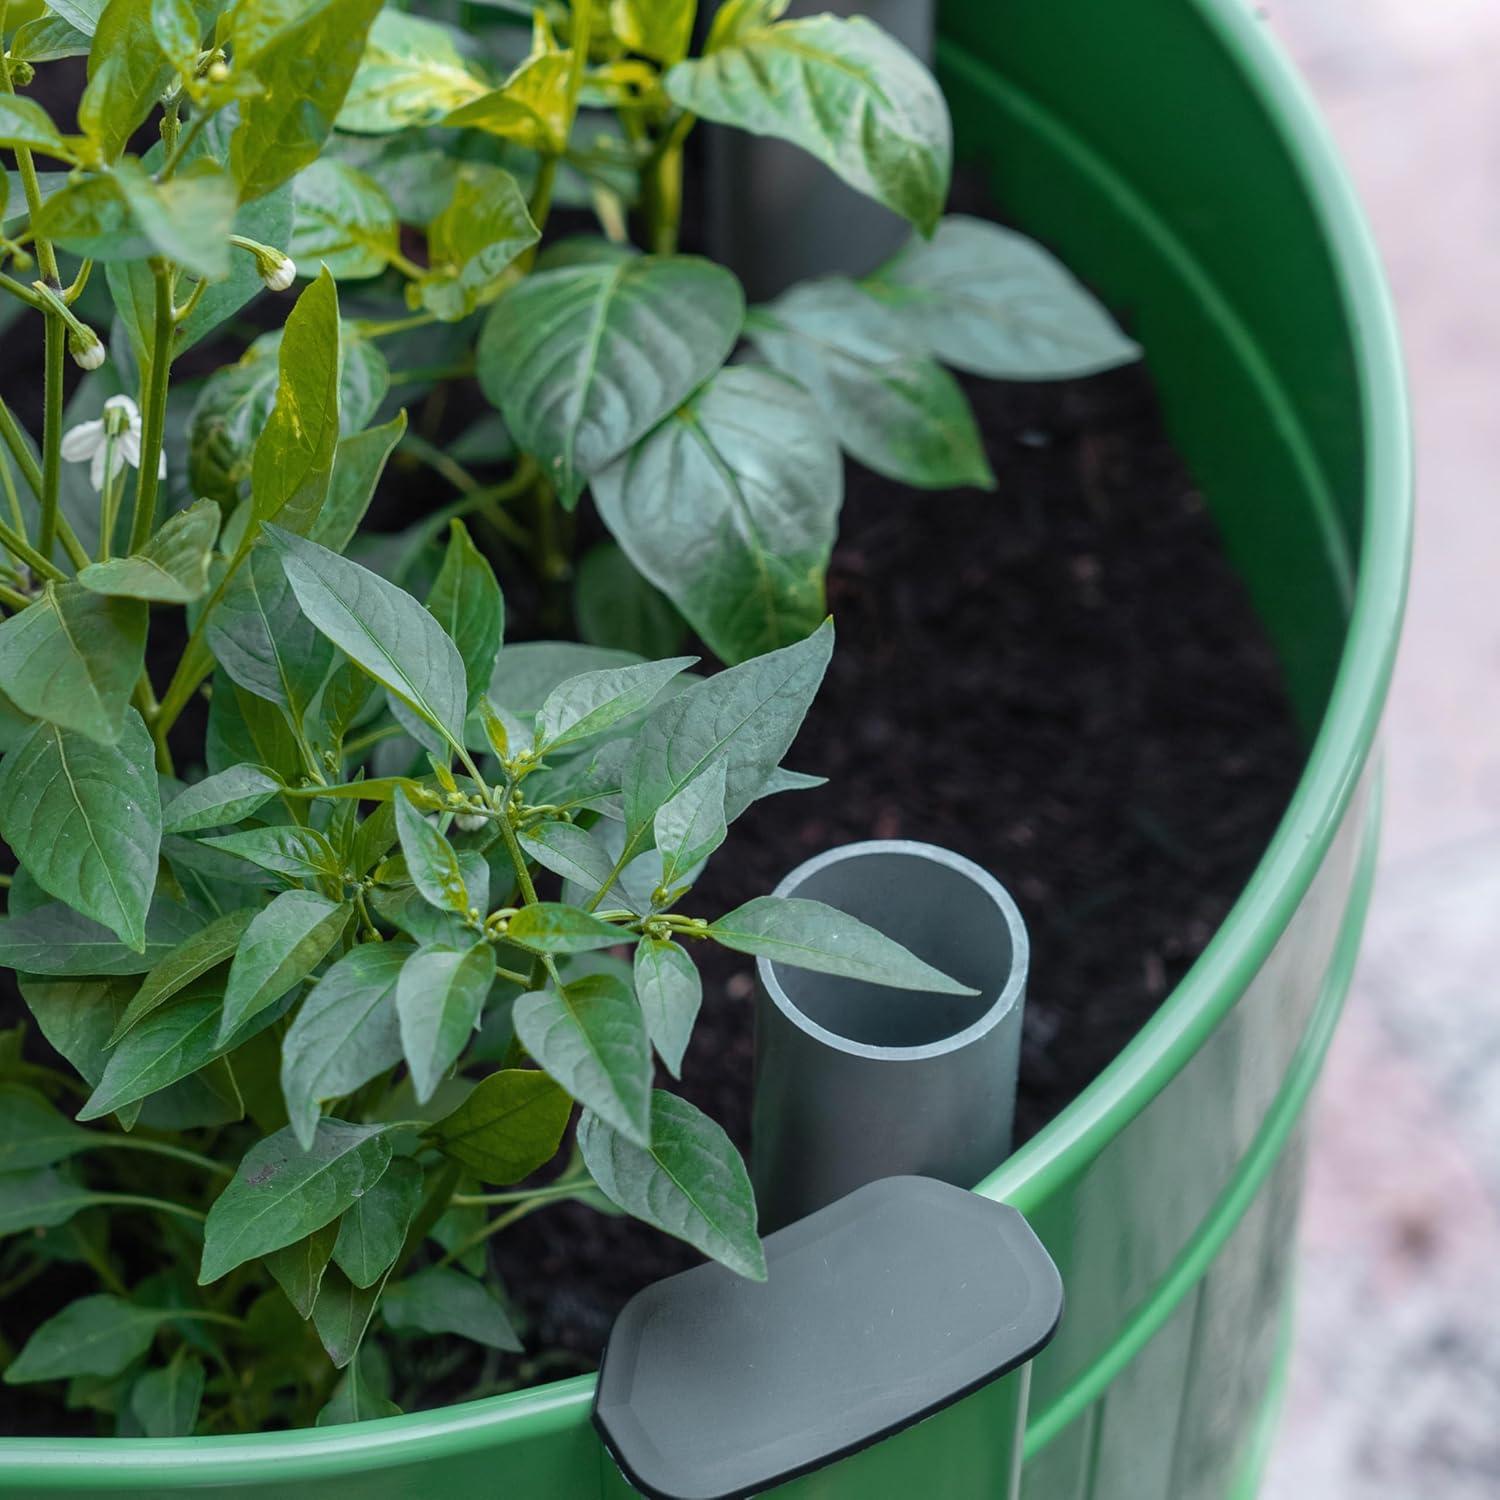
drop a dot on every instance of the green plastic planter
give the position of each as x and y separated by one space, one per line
1166 150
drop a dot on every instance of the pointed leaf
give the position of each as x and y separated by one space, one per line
430 860
189 960
593 701
510 1124
281 947
55 939
591 1039
232 794
342 1315
34 1133
171 568
281 1193
288 849
990 301
811 935
343 219
165 1402
690 825
344 1034
465 600
553 927
690 1181
382 628
85 820
439 999
374 1226
73 658
299 1268
670 991
442 1300
584 360
97 1335
842 89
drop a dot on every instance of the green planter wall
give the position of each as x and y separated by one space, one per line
1165 149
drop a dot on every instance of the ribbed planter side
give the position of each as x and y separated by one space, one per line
1166 150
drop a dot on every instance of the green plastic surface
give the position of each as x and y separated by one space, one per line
1166 150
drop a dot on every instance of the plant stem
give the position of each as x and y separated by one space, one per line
56 345
493 1227
139 1200
24 552
154 409
661 186
520 1195
10 431
22 292
162 1148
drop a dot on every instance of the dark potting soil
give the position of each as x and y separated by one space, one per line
1064 681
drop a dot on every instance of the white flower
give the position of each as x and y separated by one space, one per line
279 274
468 822
89 441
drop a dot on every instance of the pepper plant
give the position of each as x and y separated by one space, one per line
328 910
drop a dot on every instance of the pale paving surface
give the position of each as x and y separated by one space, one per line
1395 1390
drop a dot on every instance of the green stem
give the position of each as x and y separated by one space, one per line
15 440
23 551
22 292
161 1148
154 410
661 186
493 1227
16 601
140 1200
56 348
520 1195
377 330
12 497
109 501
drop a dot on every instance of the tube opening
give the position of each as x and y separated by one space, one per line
943 908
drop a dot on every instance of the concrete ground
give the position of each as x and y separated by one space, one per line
1395 1389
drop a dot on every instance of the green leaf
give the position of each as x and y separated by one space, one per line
293 459
55 939
299 1268
345 1033
439 998
896 410
97 1335
442 1300
179 34
281 947
261 638
811 935
845 91
591 1039
530 108
287 849
23 122
73 658
690 826
658 29
746 717
510 1124
304 56
572 852
171 568
85 820
342 1315
374 1226
584 360
411 74
39 1198
76 1016
48 38
474 240
357 466
382 628
169 1044
33 1133
190 960
344 220
187 218
165 1402
594 701
689 1182
354 1401
465 600
990 301
127 75
730 507
670 991
552 927
430 860
613 603
281 1193
217 800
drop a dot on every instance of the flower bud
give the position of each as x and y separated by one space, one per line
278 271
84 346
468 822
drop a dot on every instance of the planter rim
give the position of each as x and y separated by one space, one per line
1339 754
1346 734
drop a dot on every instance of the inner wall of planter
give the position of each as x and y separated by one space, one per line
940 914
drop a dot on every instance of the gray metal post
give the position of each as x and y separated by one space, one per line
778 215
856 1081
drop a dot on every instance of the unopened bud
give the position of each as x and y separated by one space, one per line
218 71
468 822
84 346
276 270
